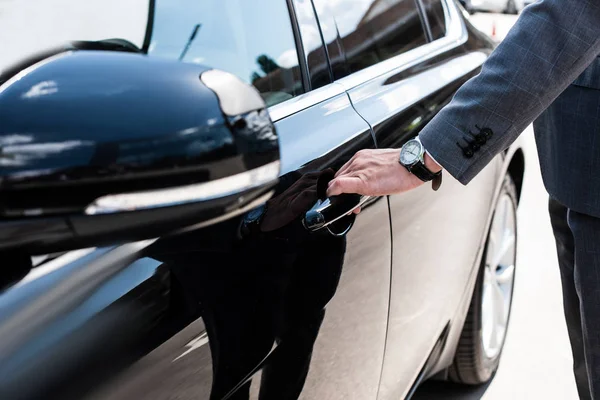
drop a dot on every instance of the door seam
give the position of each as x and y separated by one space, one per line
389 307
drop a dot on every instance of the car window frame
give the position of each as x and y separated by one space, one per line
149 27
300 53
456 35
339 41
311 96
425 19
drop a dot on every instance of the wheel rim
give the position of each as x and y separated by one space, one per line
499 275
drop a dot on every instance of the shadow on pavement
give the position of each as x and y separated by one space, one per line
437 390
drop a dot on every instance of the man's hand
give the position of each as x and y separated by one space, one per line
376 173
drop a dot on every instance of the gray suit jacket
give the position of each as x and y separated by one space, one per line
537 73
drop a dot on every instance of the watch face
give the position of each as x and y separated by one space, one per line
411 152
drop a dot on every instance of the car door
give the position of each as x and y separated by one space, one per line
327 309
242 309
403 68
292 314
320 131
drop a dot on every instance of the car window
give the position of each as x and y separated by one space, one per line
372 31
251 39
436 18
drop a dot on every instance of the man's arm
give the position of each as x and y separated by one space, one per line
551 44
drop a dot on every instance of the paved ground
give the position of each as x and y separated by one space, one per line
536 363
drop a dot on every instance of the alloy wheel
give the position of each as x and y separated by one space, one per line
499 275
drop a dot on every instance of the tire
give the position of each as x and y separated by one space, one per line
478 354
511 7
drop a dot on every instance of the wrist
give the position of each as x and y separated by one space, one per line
431 164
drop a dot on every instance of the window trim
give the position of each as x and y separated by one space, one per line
300 53
325 46
456 35
149 27
424 20
304 51
304 101
446 16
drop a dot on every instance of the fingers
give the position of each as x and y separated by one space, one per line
360 160
345 184
344 168
349 164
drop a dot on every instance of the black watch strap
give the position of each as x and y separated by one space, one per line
420 171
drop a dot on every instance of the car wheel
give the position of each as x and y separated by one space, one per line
511 7
480 345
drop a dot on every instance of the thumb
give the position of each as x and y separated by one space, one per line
345 184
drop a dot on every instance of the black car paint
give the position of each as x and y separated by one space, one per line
211 314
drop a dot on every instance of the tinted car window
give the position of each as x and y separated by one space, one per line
436 18
375 30
251 39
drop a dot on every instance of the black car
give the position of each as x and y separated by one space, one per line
165 233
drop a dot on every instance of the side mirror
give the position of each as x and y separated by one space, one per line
100 147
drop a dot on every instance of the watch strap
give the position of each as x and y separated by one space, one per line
436 182
420 171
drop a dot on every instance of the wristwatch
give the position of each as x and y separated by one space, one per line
412 158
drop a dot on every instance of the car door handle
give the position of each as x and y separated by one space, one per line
334 213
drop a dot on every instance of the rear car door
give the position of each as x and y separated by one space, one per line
242 309
406 58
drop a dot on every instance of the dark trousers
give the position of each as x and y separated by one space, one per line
578 244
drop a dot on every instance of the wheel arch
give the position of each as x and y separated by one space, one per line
516 170
513 164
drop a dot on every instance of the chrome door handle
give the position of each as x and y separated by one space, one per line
329 213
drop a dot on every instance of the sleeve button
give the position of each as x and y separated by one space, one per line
487 133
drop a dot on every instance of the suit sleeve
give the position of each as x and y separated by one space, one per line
551 44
